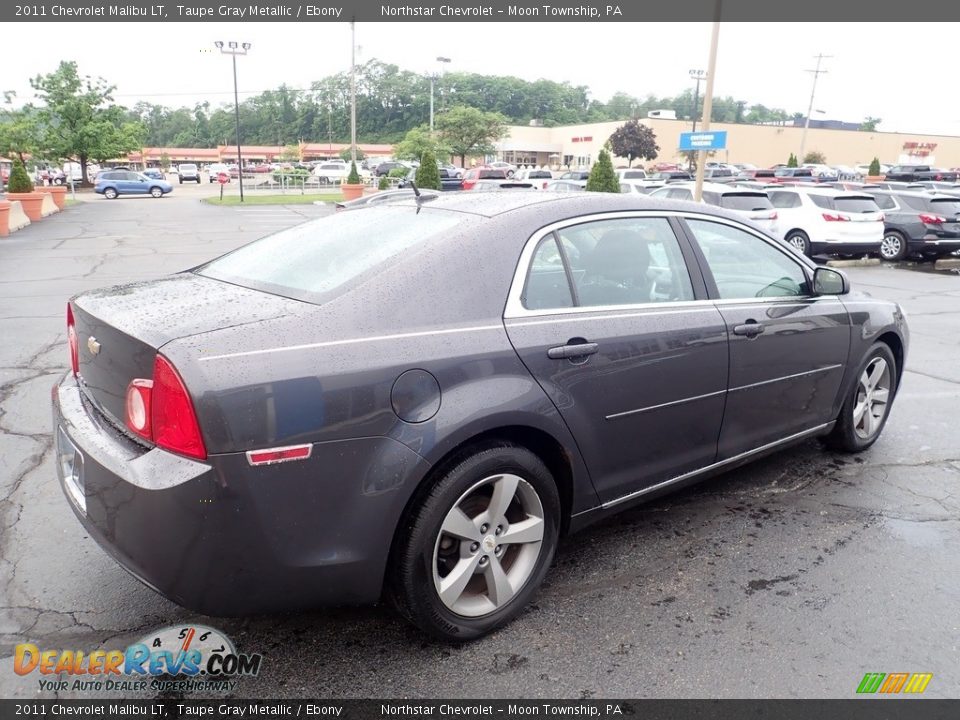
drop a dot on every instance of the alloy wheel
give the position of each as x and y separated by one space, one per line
873 398
488 545
890 247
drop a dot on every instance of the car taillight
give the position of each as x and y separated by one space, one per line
932 219
160 410
72 342
829 217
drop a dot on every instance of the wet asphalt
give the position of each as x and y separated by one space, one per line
791 577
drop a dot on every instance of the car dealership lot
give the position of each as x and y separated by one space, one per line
792 576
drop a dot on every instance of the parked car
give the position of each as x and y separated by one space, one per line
447 181
384 168
825 220
578 175
541 177
154 174
510 184
718 174
566 186
916 173
471 176
642 187
112 183
509 168
918 223
452 170
631 174
864 168
757 174
363 408
188 171
215 170
796 174
667 176
751 204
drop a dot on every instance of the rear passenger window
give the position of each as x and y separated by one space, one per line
885 202
547 284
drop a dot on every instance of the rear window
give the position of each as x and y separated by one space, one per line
945 206
188 167
634 175
856 204
539 175
822 201
745 201
493 174
320 260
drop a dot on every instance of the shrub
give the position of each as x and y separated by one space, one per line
354 177
602 177
428 174
400 172
384 183
815 156
293 176
874 167
19 181
792 161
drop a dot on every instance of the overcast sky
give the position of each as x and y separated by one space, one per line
175 63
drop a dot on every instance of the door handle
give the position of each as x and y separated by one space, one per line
750 329
573 350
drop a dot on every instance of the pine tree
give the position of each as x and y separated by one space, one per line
19 181
602 176
428 174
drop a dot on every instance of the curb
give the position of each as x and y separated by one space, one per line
947 263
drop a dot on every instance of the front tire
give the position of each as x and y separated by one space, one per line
893 247
799 241
473 551
867 406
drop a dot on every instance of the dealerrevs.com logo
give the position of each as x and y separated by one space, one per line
194 657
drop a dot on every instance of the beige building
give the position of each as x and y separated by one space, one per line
761 145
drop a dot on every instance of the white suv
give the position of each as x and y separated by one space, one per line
751 204
188 171
824 220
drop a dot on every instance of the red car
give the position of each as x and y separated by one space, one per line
471 176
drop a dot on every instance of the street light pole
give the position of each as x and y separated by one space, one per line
353 91
708 98
234 48
697 75
434 76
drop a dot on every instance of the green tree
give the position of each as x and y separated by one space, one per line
384 183
428 174
165 160
469 131
792 161
874 169
19 181
602 177
20 133
346 154
815 156
634 140
870 124
416 142
291 153
80 120
354 177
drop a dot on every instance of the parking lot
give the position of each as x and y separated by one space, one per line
791 577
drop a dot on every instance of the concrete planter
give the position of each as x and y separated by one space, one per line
4 218
32 203
59 193
12 217
351 192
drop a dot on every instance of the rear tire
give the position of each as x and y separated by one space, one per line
893 247
156 192
799 240
110 194
867 406
490 521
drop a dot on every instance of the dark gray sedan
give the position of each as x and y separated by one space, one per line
415 400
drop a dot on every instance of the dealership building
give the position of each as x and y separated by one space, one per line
761 145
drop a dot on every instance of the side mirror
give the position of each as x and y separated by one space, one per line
827 281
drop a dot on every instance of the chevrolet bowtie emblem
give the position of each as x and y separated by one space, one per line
92 345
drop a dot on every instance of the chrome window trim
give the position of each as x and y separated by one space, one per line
514 307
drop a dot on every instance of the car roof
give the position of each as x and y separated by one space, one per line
721 188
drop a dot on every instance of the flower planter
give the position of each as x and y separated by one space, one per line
4 218
875 178
32 203
59 193
352 192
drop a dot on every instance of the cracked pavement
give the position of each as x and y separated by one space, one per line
790 577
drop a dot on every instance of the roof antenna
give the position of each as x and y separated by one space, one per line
415 191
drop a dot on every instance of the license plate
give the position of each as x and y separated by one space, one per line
70 464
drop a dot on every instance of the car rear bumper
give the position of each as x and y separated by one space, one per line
935 243
845 246
224 538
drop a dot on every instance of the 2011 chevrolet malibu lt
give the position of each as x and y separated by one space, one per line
416 400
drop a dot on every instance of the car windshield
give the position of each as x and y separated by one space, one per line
319 260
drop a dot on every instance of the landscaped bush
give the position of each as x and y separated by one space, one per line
292 176
428 174
400 172
354 177
874 169
384 183
602 177
19 181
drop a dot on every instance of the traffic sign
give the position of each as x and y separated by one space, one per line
223 178
709 140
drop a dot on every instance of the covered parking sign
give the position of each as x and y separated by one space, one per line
709 140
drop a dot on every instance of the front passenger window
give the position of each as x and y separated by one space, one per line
745 266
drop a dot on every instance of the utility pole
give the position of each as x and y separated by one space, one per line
813 91
353 91
708 98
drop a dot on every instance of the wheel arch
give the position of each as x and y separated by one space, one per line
895 343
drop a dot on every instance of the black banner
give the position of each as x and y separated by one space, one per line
858 11
873 709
